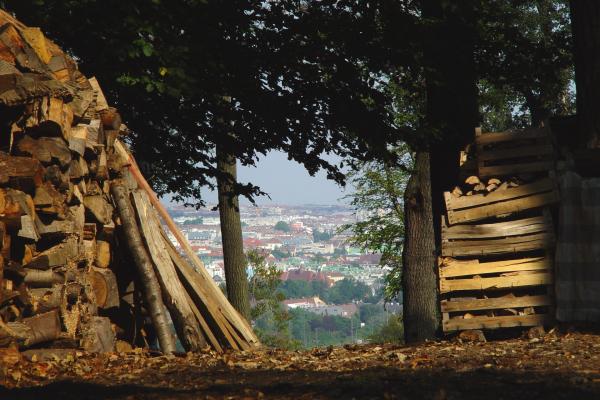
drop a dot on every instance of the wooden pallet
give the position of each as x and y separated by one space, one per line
511 200
484 322
514 152
526 234
472 275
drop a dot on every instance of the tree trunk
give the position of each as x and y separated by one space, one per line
451 94
231 234
585 20
419 280
151 287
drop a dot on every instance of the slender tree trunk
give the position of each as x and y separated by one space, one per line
231 234
150 285
419 279
585 20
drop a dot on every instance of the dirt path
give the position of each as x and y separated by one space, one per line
553 367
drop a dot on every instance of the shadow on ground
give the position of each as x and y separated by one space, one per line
376 383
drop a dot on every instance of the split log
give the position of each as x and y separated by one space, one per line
30 331
149 281
102 259
472 180
49 150
99 207
56 256
111 119
104 285
59 179
48 200
78 139
173 291
98 336
101 103
21 172
42 279
50 116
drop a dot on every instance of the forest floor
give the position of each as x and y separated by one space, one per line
553 366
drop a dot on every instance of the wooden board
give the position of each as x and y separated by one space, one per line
496 322
516 244
495 303
499 282
524 226
543 149
515 169
450 268
481 206
509 136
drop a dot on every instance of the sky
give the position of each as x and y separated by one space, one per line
287 182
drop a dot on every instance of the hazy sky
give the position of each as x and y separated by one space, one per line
287 182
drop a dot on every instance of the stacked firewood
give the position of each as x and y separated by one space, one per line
84 259
498 238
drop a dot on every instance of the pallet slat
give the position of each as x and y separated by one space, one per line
450 268
514 169
524 226
500 282
525 151
509 136
506 207
495 303
496 322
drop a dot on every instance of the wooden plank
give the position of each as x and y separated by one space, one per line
508 136
450 268
505 207
513 169
461 248
458 203
496 322
494 303
523 151
522 226
187 327
500 282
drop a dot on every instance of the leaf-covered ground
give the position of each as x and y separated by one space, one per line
555 366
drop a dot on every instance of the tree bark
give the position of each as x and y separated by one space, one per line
231 234
419 279
451 108
585 20
151 287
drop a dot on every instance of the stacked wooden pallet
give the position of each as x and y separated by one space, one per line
498 238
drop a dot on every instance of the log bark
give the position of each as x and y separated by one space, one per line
39 329
104 285
188 329
149 281
231 234
419 279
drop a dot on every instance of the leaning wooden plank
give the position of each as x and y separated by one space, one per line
524 226
495 303
504 207
514 169
501 282
202 296
496 322
497 137
205 328
522 151
227 309
450 268
152 292
187 327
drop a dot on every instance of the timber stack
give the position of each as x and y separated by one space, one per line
498 240
85 261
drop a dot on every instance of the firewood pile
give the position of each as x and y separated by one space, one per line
498 241
85 261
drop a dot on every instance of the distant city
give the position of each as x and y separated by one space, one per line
304 242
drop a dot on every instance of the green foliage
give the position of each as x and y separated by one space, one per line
300 289
282 226
278 254
268 313
390 332
313 330
318 258
319 236
346 291
194 221
377 200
